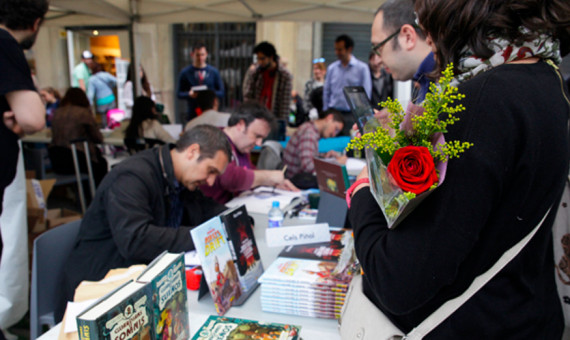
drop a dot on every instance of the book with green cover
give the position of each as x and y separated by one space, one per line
166 279
122 314
224 328
152 307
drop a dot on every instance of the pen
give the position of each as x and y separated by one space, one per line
283 170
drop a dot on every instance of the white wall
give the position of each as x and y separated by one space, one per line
294 42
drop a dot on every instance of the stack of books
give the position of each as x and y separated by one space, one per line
312 279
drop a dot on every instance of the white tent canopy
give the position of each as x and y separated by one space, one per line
123 12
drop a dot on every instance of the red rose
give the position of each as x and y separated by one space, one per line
413 169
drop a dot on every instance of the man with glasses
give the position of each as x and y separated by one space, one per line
346 71
402 46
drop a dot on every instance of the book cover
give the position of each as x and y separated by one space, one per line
211 242
166 286
221 328
331 177
122 314
240 233
303 271
244 249
341 239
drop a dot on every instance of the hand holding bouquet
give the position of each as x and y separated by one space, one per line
408 160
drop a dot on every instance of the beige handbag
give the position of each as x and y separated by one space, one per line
361 320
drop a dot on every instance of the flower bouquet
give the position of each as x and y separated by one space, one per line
407 159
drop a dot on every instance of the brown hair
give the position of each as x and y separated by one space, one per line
321 66
75 96
53 92
454 25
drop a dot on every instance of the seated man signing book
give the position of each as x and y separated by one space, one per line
147 204
304 146
247 127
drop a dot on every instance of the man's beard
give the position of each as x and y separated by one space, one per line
28 42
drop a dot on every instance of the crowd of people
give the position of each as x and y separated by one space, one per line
516 115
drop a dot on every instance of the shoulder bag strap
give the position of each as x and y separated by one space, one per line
452 305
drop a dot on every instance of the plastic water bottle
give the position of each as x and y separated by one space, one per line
275 216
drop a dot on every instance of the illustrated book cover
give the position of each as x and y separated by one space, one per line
224 328
244 249
151 307
166 280
221 276
122 314
309 272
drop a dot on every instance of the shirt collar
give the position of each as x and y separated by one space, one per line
167 167
427 66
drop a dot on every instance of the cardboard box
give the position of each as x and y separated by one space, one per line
57 217
37 192
39 217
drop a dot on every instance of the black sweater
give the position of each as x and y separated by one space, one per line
492 197
127 221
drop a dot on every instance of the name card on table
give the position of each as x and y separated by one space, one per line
302 234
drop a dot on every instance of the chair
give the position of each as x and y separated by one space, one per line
35 160
51 249
271 156
135 145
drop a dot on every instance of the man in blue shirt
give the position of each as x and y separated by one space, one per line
199 73
402 46
346 71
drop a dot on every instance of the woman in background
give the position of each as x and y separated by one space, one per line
101 92
128 97
516 116
144 122
74 120
318 80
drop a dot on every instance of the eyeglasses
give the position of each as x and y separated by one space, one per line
376 48
318 60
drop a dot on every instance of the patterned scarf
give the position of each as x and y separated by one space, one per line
544 47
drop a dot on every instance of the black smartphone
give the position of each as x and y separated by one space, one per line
359 105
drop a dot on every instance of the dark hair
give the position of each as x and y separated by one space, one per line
96 68
142 110
144 80
21 14
454 25
250 111
348 42
75 96
266 49
316 99
205 99
337 116
208 137
198 45
397 13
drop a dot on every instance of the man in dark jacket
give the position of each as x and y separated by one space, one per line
147 204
